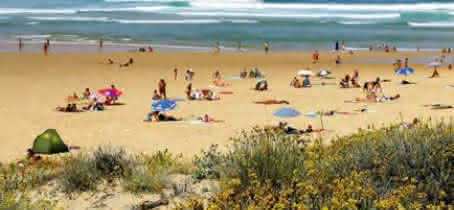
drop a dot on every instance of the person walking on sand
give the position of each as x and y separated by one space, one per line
267 46
175 73
21 45
101 44
162 89
239 46
336 46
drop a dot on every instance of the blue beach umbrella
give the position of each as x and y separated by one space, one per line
405 71
163 105
287 112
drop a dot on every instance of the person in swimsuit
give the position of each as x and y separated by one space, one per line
162 89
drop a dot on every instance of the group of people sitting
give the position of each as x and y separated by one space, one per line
296 83
157 116
374 92
93 102
253 73
203 94
350 81
288 130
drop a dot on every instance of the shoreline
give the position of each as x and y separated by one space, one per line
34 44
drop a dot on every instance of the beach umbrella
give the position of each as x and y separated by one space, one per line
405 71
434 64
305 72
163 105
110 92
287 112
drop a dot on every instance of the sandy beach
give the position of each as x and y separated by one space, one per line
32 85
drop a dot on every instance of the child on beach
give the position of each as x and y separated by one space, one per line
156 95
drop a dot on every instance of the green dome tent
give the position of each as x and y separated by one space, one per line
49 142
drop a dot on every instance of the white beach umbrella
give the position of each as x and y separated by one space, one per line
434 64
305 72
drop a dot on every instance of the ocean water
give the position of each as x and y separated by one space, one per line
286 24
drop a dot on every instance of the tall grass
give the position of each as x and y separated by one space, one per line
389 168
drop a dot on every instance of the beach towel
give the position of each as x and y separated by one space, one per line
233 78
226 92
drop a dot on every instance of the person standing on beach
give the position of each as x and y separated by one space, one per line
162 89
315 57
45 48
267 46
101 44
218 47
336 47
239 46
175 73
21 45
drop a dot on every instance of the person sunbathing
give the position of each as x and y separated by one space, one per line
110 61
68 108
272 101
406 82
207 119
378 99
220 83
209 95
161 117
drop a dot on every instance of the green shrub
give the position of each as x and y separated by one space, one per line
111 162
207 165
267 154
390 168
144 180
79 175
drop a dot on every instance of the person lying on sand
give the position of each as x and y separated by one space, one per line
294 131
439 106
130 62
406 82
207 119
110 61
209 95
220 83
68 108
272 102
376 99
156 116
